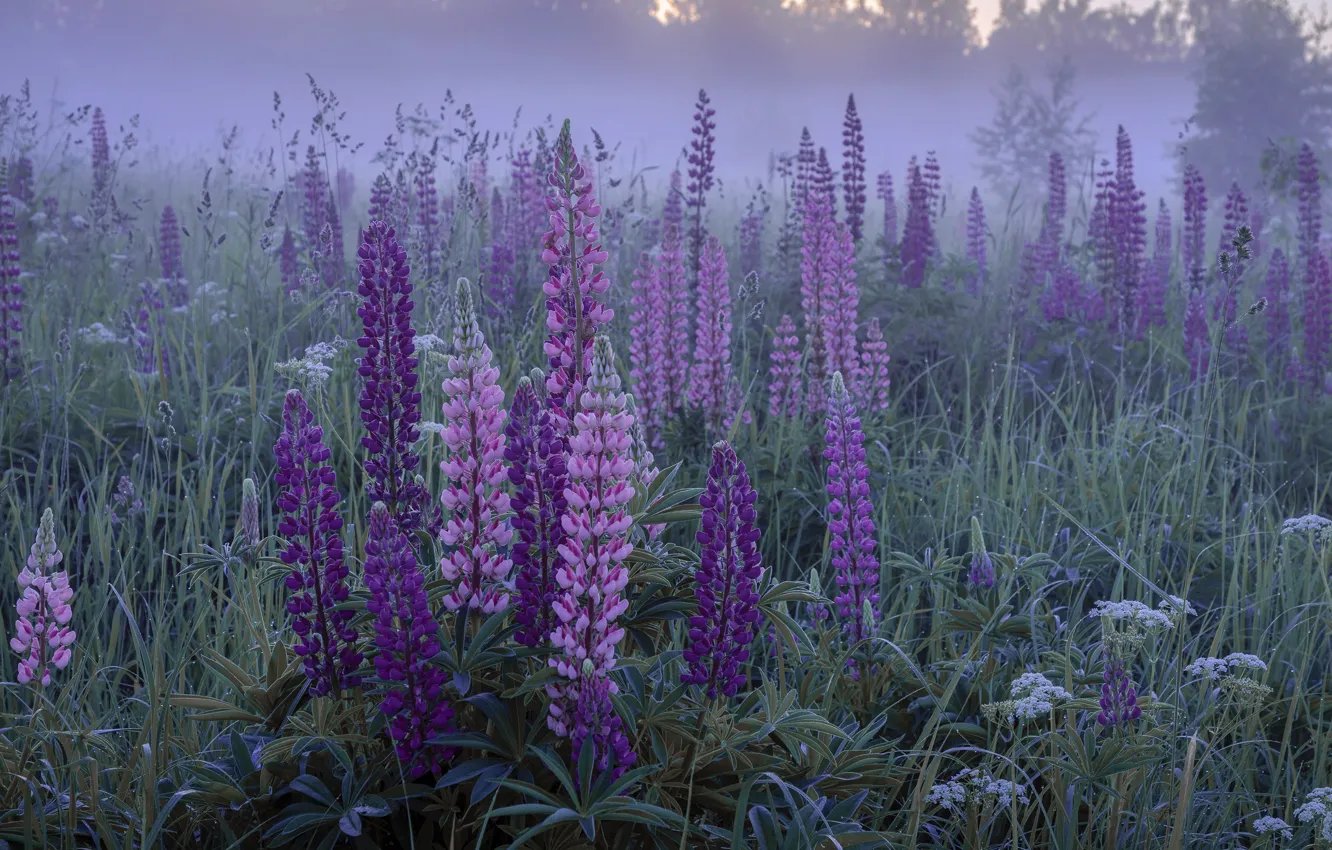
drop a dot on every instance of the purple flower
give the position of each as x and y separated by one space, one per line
406 638
173 269
853 170
1127 224
712 387
933 177
672 213
1119 699
784 389
381 197
390 400
1151 306
1309 228
976 241
535 453
1226 308
1197 346
309 521
1317 320
701 169
981 574
648 342
314 209
1195 228
821 184
819 252
499 273
842 314
918 233
1277 292
101 163
806 158
874 359
884 192
42 635
427 215
726 579
287 265
150 332
850 524
671 338
11 291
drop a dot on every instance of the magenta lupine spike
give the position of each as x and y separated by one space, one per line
391 400
168 246
406 638
11 290
592 576
473 469
874 360
310 523
934 187
918 233
1309 227
314 209
287 262
976 241
842 315
853 170
381 197
818 253
1226 308
42 637
672 212
333 263
885 193
535 453
784 389
1317 321
1127 225
575 286
701 169
674 341
1277 293
1195 229
850 514
150 332
711 385
647 335
726 581
1151 308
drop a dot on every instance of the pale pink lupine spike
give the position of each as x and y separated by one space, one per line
784 389
42 635
473 467
874 370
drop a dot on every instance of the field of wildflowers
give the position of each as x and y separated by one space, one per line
512 504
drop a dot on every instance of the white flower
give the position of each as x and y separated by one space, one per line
1176 608
429 342
971 786
309 372
1264 825
433 427
1034 696
99 334
321 351
1240 660
1208 668
1305 524
947 795
1317 805
1133 611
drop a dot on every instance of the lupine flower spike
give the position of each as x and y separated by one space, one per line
981 575
849 514
249 514
42 636
308 503
726 580
474 469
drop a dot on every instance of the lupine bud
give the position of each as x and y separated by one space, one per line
249 514
700 176
42 635
1119 699
981 575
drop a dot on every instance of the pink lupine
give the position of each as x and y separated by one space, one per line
593 576
42 635
842 314
473 469
570 248
784 389
874 380
711 386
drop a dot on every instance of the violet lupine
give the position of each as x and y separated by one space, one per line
806 158
1119 699
310 523
821 184
1056 206
785 372
575 285
647 336
1226 308
711 386
1156 281
726 581
934 187
842 311
42 636
381 196
1309 217
1197 346
751 237
427 215
101 164
1277 292
1195 229
406 639
473 468
918 233
672 211
150 331
500 271
850 522
818 253
874 359
976 242
168 246
853 170
535 453
391 400
11 290
701 169
884 192
314 207
1127 223
287 262
526 200
1317 320
673 334
592 576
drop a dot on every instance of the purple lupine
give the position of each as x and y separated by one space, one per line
1309 219
1317 320
314 207
42 636
1197 346
672 211
150 332
593 576
1156 282
173 268
406 639
933 178
673 341
311 524
1056 205
427 215
701 179
884 192
345 188
853 170
981 574
575 286
841 316
391 400
751 237
1195 229
535 453
287 263
11 290
784 389
918 233
381 196
1101 234
1277 293
1119 699
1226 308
976 242
333 263
711 386
526 201
850 522
101 163
804 175
500 271
647 335
726 580
473 468
818 252
1127 223
874 360
821 184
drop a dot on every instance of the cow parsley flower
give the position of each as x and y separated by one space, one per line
1276 826
1134 613
1317 809
976 788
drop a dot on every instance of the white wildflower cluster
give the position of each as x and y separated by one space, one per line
1317 809
429 342
972 786
1031 696
322 351
1307 524
432 427
1215 668
1133 612
99 334
313 374
1275 826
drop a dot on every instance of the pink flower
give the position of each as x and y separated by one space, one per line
874 380
712 387
42 636
784 390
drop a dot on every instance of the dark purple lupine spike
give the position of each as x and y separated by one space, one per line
1317 321
701 170
850 521
821 183
173 268
981 575
499 277
11 291
853 170
406 638
535 453
726 582
1119 699
390 401
287 262
918 232
310 523
1127 224
381 196
976 241
1156 282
